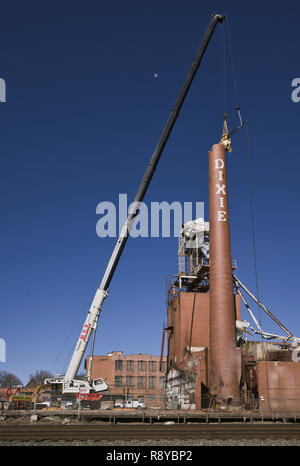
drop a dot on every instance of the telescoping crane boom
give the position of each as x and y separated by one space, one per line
90 325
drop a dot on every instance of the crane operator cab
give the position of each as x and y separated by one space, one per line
99 385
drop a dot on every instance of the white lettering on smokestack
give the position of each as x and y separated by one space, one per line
221 189
219 165
221 216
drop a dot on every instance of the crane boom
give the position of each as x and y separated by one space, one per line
101 293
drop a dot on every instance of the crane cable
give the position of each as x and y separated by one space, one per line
251 200
67 357
223 80
192 322
264 344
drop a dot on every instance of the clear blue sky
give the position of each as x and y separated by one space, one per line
82 117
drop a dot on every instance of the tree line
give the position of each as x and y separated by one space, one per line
7 379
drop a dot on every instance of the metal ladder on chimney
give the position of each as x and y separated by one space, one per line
181 255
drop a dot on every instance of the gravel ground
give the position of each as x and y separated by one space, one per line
165 443
149 443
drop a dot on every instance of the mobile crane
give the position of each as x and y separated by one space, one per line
68 383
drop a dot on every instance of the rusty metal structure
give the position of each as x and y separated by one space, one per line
211 362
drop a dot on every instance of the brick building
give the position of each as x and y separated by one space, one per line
188 346
131 376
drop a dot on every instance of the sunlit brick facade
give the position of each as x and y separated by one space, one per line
131 376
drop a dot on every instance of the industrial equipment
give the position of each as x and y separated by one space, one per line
19 399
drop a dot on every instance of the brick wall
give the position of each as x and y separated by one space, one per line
180 314
134 375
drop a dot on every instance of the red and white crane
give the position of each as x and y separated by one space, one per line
68 382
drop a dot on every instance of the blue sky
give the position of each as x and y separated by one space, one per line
82 117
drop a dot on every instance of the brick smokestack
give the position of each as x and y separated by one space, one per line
223 372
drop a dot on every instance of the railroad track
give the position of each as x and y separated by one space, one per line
154 432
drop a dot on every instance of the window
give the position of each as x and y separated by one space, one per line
152 366
129 365
118 365
161 382
118 381
152 382
164 366
141 382
98 381
129 380
192 398
152 396
141 365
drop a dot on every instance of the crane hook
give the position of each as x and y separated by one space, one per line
225 140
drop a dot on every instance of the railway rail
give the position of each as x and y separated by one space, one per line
40 432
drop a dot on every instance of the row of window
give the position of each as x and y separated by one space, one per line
140 381
153 366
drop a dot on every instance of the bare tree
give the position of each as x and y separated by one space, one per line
38 378
7 379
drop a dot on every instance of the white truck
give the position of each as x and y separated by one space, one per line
131 404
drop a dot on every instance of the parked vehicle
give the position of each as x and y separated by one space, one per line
131 404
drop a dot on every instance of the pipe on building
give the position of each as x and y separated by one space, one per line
223 369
